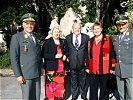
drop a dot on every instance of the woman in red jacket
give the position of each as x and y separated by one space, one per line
101 62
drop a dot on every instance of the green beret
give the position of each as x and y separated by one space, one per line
28 17
121 19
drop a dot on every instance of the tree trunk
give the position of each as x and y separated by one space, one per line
97 10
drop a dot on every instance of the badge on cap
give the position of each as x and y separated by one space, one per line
28 17
121 19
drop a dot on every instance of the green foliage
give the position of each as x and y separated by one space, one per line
7 17
61 6
5 60
91 12
116 12
131 20
130 5
109 27
111 30
3 47
85 20
130 11
13 10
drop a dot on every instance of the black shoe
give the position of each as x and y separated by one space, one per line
84 98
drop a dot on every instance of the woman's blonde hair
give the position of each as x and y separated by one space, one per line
55 27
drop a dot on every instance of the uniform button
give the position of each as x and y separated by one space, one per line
119 45
120 61
119 50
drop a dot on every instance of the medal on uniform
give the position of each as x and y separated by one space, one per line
25 48
127 33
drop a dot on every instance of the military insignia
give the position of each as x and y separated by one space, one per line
25 48
25 36
127 33
25 41
128 39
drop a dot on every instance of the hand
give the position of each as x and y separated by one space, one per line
64 57
58 55
112 72
87 70
20 80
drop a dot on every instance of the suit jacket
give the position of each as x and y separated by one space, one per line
50 50
25 63
77 57
124 54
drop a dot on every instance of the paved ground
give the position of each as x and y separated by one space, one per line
10 90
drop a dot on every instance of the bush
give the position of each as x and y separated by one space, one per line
5 60
111 30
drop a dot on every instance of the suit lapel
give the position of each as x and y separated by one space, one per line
35 37
126 36
71 40
116 38
61 43
53 45
26 37
82 40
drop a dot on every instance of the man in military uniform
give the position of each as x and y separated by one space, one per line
123 45
25 55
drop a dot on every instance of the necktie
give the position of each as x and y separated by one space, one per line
121 36
76 43
32 38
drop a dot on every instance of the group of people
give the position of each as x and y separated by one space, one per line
97 57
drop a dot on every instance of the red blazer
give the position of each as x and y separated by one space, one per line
106 58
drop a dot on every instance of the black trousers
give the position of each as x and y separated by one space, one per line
96 82
78 78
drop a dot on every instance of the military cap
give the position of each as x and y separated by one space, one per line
28 17
121 19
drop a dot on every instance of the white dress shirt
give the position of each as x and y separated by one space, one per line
79 39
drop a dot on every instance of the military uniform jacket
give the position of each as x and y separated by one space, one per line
25 55
124 54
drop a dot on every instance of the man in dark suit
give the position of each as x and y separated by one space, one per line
77 45
25 55
123 46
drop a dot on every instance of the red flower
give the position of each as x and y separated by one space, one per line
54 90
